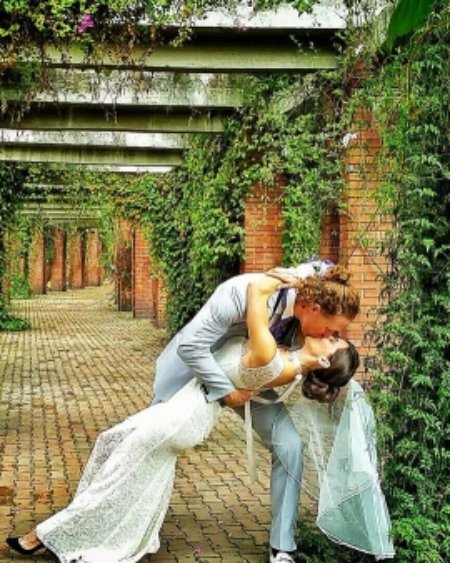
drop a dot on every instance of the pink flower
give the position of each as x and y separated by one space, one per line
86 22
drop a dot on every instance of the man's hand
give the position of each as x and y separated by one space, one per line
238 397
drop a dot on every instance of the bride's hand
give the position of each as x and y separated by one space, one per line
285 279
268 284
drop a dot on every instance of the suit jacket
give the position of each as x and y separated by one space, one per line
190 352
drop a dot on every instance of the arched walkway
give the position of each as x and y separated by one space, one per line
81 368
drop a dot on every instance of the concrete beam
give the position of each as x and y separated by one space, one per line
99 139
138 88
129 169
329 15
208 55
62 212
118 119
73 155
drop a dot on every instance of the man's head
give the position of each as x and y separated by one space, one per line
326 305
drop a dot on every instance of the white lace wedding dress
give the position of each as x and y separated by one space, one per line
125 489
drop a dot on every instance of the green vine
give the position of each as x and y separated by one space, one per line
409 97
12 179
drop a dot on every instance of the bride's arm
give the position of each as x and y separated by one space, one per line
261 346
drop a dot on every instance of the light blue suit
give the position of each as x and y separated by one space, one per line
190 353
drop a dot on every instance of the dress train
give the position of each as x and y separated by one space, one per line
124 492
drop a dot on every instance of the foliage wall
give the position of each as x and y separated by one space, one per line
194 216
12 180
410 97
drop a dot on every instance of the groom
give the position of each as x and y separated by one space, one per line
190 354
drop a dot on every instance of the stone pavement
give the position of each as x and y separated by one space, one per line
81 368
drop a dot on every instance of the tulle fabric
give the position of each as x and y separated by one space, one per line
340 470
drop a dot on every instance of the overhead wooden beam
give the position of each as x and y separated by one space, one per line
99 139
115 119
208 55
73 155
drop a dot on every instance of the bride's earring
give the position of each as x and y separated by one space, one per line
324 362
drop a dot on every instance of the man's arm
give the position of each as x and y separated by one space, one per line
226 307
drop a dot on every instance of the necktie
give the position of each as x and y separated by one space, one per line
278 326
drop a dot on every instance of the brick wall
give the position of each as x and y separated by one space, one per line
330 236
58 264
362 226
76 260
123 266
263 228
142 291
36 263
93 271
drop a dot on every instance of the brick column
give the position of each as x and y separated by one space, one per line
76 260
123 266
263 228
93 268
36 262
363 228
58 265
142 302
330 236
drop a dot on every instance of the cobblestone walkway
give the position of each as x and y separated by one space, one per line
81 368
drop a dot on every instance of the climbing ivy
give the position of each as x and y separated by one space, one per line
12 179
409 96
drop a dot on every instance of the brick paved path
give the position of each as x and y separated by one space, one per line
81 368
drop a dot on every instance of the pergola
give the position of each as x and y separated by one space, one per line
135 115
139 111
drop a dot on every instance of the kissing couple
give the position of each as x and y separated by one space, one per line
257 332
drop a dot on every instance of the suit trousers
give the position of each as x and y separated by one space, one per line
277 432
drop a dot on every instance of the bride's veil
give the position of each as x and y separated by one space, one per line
340 469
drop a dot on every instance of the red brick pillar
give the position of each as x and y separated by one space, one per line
123 266
76 260
141 276
93 268
263 227
330 236
363 227
58 265
36 262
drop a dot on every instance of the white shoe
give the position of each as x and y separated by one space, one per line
281 557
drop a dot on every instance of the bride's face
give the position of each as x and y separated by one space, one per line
324 346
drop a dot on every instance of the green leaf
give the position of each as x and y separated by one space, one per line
407 16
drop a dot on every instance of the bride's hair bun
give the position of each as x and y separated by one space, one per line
315 389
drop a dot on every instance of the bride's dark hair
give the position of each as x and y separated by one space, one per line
324 384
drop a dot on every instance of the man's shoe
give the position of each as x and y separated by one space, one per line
281 557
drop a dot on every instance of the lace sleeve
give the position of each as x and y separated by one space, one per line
255 378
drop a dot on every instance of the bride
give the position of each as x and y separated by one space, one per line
125 489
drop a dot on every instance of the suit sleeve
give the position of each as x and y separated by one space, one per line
226 307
